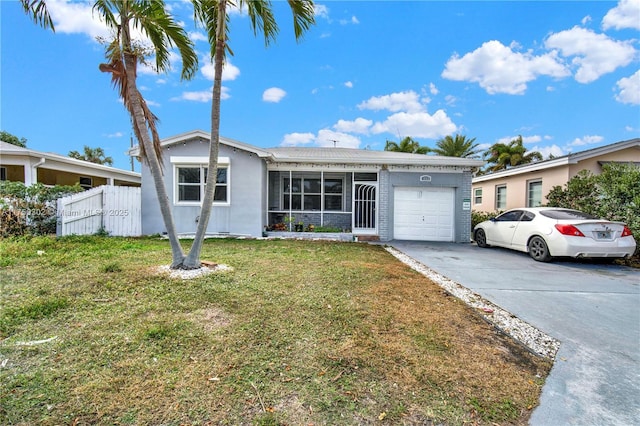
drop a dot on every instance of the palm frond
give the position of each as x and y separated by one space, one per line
37 10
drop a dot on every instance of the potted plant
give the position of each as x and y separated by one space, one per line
299 227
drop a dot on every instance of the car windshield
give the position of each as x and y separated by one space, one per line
566 214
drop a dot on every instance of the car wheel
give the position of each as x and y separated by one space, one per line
481 238
538 250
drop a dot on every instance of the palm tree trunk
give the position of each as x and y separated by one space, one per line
138 118
193 258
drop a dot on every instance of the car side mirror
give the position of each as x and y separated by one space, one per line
493 219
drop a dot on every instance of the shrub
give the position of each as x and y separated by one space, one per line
477 217
30 210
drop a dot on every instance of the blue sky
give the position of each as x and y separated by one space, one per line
564 75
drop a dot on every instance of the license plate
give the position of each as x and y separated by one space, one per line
603 235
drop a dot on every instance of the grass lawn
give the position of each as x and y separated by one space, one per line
298 333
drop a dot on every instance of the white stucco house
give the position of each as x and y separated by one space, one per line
29 166
376 195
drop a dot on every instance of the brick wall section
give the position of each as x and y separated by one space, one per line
465 221
384 221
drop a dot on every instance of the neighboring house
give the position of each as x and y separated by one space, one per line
28 166
528 185
378 195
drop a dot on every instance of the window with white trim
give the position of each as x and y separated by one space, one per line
534 193
191 182
477 196
501 197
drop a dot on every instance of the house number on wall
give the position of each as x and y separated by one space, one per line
425 178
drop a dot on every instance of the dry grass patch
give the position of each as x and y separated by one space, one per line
297 333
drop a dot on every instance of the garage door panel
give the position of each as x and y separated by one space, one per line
425 214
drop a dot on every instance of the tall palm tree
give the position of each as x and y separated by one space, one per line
456 146
92 155
407 144
503 156
212 15
123 54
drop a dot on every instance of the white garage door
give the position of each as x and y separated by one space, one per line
425 214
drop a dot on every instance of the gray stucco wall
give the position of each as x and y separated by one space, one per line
461 182
245 213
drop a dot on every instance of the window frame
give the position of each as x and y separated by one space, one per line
202 164
477 199
85 185
303 193
529 192
499 200
3 173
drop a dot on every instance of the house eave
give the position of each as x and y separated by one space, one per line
201 136
66 164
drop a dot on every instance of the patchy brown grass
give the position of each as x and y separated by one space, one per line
298 333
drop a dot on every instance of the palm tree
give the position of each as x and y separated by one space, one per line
212 15
92 155
456 146
123 54
407 144
503 156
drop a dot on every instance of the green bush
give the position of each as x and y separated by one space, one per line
613 195
30 210
477 217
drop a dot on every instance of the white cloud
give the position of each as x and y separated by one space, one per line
348 84
433 89
408 101
359 125
500 69
586 140
326 138
72 18
114 135
629 89
197 36
625 15
229 72
202 95
321 11
295 139
594 54
353 20
417 124
546 151
525 139
273 94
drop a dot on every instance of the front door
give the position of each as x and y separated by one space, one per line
365 211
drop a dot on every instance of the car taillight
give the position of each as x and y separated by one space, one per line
626 232
569 230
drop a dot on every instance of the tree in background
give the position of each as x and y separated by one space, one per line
212 15
13 140
92 155
123 53
456 146
502 156
407 144
613 195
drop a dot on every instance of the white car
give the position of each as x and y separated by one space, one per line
547 232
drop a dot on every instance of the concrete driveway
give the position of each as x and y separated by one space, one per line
592 309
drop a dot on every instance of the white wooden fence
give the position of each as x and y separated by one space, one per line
114 209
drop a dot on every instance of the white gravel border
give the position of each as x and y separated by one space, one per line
189 274
535 340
